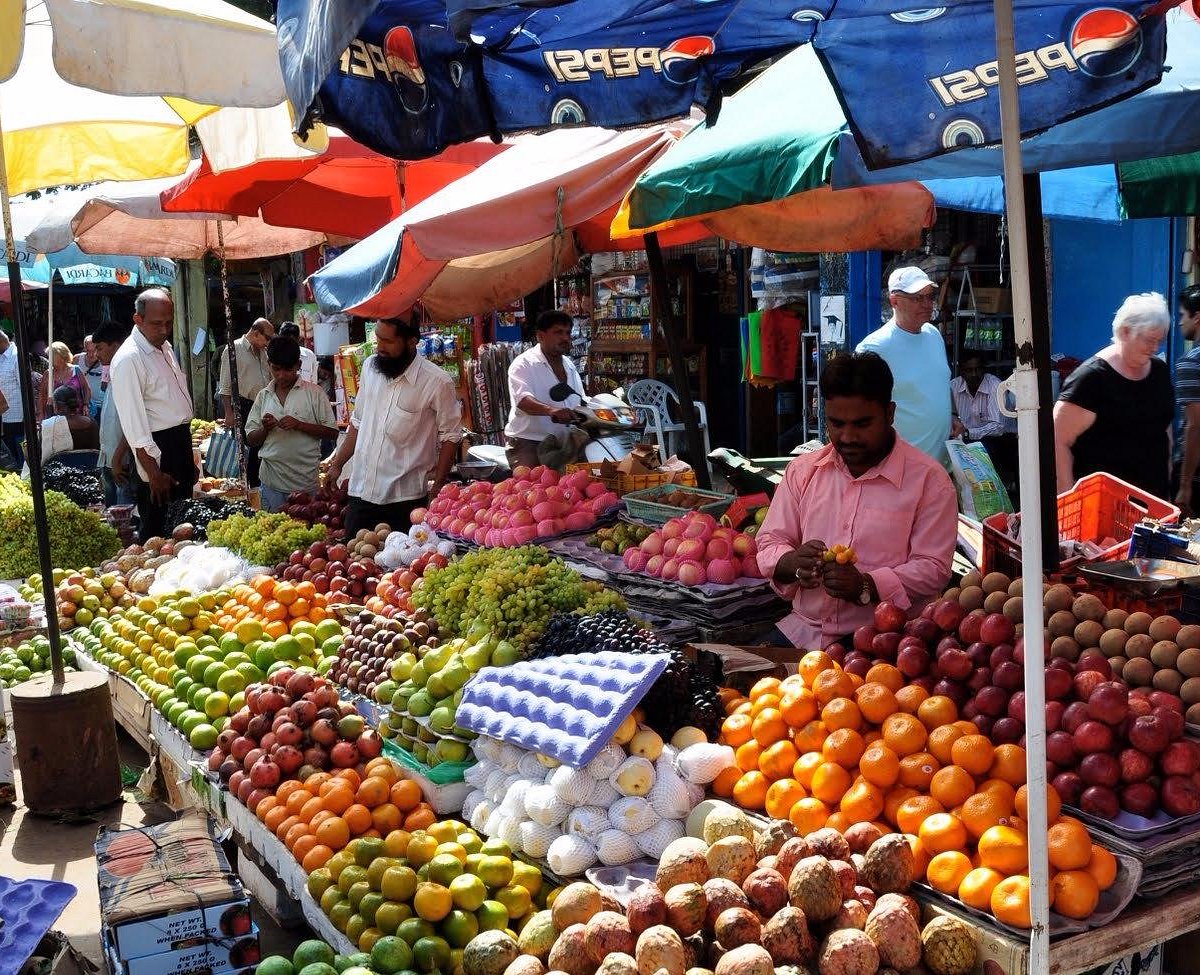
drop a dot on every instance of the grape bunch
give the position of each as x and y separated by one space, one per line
200 511
262 538
683 695
80 486
77 537
508 593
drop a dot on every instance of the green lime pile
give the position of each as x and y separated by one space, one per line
621 536
30 658
264 538
508 594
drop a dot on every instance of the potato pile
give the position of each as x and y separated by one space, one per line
1143 650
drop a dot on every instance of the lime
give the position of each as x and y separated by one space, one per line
444 867
203 737
391 955
468 892
459 927
310 952
399 884
413 929
492 916
274 965
495 870
390 916
318 968
431 954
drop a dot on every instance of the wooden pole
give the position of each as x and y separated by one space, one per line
661 294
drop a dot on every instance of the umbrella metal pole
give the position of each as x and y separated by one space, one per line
231 357
661 294
1025 386
33 448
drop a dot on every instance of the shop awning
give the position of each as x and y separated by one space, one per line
556 193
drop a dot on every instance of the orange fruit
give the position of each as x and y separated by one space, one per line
1010 901
952 786
941 740
904 734
723 784
947 870
311 808
893 800
811 737
862 802
975 889
844 746
735 730
841 712
1005 849
750 792
314 782
358 818
386 817
798 707
349 775
830 684
887 675
1008 765
293 835
875 701
316 858
1102 865
295 802
983 810
921 856
1074 893
1069 846
334 833
937 711
339 798
420 818
1053 803
405 794
813 663
805 766
319 818
974 753
265 806
879 765
747 755
776 760
942 832
809 815
1002 790
373 792
838 820
395 844
917 770
765 685
781 796
274 817
303 846
763 703
909 698
768 727
830 782
285 593
912 812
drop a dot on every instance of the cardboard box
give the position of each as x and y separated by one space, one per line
206 956
993 301
162 887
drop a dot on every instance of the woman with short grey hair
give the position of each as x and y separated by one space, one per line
1115 411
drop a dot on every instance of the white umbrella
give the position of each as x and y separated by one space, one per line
128 218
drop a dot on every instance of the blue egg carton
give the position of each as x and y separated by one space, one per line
28 909
565 707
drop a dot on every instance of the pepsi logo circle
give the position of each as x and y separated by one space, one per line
1106 42
567 111
961 133
404 67
681 59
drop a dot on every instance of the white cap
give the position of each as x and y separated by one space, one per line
910 280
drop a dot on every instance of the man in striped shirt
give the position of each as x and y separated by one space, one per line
1187 394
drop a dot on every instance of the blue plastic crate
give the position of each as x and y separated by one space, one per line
1149 542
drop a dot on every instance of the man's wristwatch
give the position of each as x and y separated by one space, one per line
864 597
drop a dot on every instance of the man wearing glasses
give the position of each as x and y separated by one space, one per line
916 353
543 384
253 374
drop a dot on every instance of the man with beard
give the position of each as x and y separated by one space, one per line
869 490
407 424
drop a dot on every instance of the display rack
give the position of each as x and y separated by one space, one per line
982 319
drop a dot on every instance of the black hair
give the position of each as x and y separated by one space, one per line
549 319
290 330
110 332
405 328
66 398
1189 299
862 374
283 352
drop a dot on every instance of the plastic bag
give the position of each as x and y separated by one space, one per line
981 493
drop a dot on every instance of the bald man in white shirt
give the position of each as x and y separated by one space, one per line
155 410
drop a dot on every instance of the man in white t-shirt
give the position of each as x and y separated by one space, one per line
916 353
543 385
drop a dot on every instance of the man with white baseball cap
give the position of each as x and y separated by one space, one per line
916 353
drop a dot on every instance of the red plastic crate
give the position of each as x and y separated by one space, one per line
1099 506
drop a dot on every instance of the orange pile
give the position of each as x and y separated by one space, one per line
277 604
824 747
319 816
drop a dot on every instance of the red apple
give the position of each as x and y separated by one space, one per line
1171 718
1180 758
1100 768
947 643
1135 766
1109 702
1060 748
1099 801
996 628
948 614
992 701
1009 675
1166 699
1069 787
1058 683
1149 734
1007 731
968 629
984 723
889 618
863 637
1075 715
1054 715
954 663
1180 797
1094 660
1140 798
980 678
912 661
1087 681
999 655
1093 736
885 645
1016 707
923 629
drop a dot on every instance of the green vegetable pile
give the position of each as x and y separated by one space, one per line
77 537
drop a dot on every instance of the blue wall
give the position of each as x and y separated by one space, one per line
1095 266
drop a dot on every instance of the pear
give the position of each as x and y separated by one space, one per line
646 743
